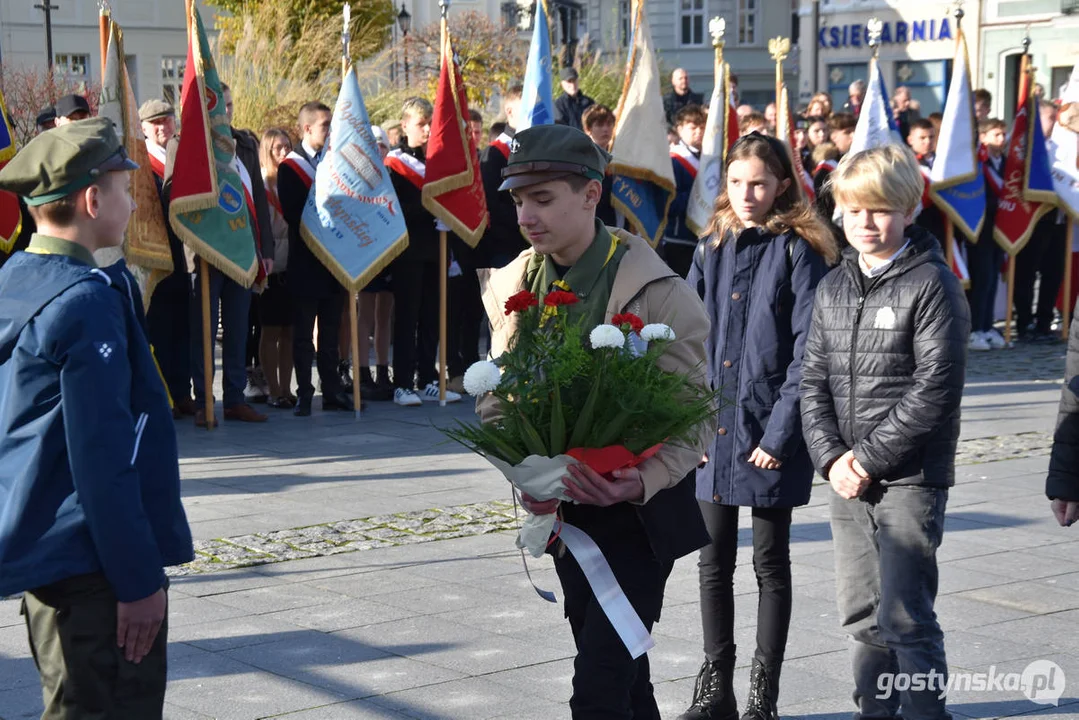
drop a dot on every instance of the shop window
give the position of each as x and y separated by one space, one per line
840 76
927 82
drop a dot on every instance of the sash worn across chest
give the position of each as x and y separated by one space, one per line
302 166
405 165
502 144
157 157
685 157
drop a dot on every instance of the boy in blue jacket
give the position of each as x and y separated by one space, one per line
90 509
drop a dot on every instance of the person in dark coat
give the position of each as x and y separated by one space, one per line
882 380
89 470
757 273
1062 483
502 241
680 95
571 104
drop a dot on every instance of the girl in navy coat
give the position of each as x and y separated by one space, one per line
757 272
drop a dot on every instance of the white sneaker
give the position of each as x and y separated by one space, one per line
430 394
978 341
995 339
406 398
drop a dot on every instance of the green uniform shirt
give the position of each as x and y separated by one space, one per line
591 278
49 245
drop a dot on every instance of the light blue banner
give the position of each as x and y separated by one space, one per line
537 103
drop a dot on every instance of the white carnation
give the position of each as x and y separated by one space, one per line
606 336
481 378
657 331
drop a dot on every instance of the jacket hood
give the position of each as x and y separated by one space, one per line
924 248
27 284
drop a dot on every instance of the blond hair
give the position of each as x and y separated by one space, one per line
885 177
266 158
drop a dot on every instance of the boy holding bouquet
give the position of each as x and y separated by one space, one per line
882 379
644 517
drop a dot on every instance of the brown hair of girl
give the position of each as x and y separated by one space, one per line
790 211
266 160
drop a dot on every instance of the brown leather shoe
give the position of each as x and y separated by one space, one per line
200 418
185 406
244 413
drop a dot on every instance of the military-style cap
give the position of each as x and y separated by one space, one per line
567 73
65 160
45 116
548 152
71 104
155 108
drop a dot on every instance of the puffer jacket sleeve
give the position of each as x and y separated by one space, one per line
941 331
783 434
1063 480
820 426
674 303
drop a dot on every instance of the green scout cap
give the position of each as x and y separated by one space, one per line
64 160
155 108
548 152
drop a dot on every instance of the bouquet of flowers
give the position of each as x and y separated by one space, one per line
567 394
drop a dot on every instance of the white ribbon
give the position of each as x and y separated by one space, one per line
616 606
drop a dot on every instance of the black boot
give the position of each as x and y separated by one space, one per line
763 692
383 390
713 695
343 373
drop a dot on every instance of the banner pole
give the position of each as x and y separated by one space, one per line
357 361
444 272
1011 301
1066 305
207 345
103 20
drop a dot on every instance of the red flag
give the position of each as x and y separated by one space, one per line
1017 212
453 188
10 212
785 132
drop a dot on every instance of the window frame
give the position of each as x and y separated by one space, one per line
698 14
172 85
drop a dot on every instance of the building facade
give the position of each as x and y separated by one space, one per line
679 33
918 46
155 40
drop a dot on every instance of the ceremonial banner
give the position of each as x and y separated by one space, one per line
720 133
453 187
957 182
1027 193
207 207
643 178
785 132
352 220
537 103
1064 146
876 126
146 242
10 214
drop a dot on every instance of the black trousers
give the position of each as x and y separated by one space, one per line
415 322
327 311
254 333
1044 256
170 333
772 565
463 322
983 262
607 682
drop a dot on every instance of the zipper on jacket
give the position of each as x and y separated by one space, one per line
853 355
140 426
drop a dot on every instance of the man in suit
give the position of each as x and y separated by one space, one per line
317 294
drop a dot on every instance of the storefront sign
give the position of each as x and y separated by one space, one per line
899 32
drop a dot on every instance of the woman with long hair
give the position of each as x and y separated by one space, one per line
819 106
275 305
757 271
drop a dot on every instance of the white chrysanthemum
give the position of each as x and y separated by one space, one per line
481 378
657 331
606 336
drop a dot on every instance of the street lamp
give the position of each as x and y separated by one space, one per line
404 21
48 7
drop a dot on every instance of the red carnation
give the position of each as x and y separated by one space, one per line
559 297
634 322
521 302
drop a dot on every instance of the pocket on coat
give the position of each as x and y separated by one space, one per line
765 393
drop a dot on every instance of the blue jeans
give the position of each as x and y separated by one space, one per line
234 301
886 583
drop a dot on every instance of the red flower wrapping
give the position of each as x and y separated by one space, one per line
634 322
613 457
556 298
521 301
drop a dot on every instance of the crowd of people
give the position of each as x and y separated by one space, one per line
841 350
